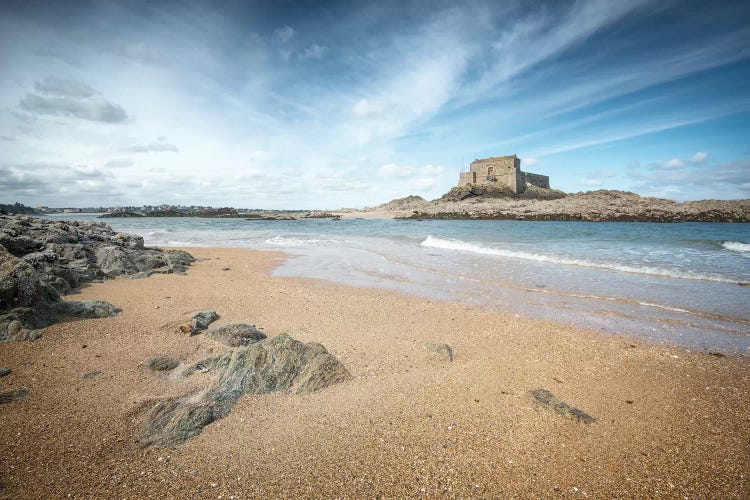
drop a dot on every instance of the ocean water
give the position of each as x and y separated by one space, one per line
687 284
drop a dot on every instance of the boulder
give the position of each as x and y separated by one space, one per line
236 335
278 364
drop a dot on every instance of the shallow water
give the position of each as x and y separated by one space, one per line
682 283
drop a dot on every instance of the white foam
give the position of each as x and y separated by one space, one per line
736 246
463 246
280 241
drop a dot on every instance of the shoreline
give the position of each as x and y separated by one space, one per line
409 423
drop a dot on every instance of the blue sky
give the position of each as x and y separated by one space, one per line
297 105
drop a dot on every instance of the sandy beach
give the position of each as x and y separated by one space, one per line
670 423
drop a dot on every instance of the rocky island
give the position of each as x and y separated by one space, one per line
482 202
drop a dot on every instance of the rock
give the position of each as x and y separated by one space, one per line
443 350
87 309
546 398
90 375
162 364
4 372
279 364
11 396
178 260
114 261
236 335
41 259
201 319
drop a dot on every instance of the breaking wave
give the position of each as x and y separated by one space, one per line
433 242
736 246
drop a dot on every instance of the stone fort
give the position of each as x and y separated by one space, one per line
502 170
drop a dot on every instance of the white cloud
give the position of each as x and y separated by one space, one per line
699 157
529 162
366 107
314 51
284 34
674 163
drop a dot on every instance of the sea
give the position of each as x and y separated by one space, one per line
686 284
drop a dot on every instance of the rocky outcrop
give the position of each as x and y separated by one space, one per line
278 364
42 259
472 202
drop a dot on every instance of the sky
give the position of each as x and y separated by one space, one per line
305 105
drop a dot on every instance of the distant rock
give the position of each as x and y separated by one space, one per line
236 335
538 204
546 398
162 364
278 364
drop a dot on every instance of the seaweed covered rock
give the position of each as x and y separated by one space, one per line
236 335
278 364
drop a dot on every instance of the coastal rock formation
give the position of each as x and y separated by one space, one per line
546 398
476 202
42 259
278 364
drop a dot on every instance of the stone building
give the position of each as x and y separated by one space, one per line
501 170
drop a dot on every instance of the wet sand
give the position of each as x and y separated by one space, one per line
670 423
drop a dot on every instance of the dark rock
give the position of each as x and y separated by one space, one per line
114 261
4 372
162 364
546 398
87 308
279 364
236 335
11 396
443 350
41 259
90 375
201 320
178 260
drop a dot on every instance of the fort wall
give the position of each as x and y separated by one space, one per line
501 170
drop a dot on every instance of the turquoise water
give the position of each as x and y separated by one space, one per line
681 283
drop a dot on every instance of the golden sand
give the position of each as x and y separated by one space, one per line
410 423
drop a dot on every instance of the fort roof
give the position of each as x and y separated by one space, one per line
494 158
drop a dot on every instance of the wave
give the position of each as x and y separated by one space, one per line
463 246
281 241
736 246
